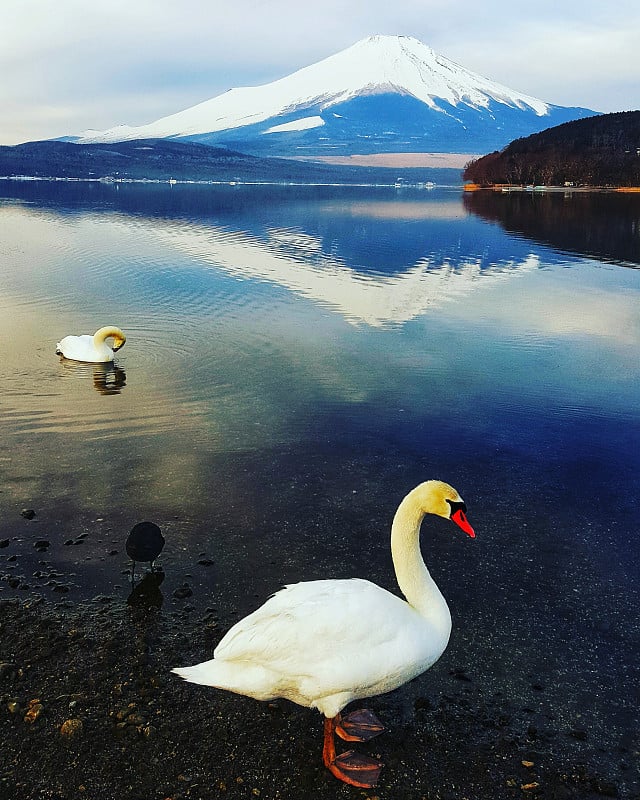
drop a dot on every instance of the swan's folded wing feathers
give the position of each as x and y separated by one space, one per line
280 625
308 624
76 348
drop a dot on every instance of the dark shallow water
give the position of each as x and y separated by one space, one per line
297 360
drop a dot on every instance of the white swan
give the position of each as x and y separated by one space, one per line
92 348
325 643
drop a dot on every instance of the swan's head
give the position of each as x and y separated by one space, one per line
437 497
110 331
118 341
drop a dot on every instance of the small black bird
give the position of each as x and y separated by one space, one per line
144 543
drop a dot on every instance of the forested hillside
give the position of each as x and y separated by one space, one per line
597 151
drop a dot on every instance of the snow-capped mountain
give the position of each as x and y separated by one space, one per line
383 94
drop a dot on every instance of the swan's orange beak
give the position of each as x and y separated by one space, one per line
460 518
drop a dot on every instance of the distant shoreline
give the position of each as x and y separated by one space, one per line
108 181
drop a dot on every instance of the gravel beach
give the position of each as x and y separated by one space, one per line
89 709
536 695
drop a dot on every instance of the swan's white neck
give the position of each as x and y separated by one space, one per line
102 334
413 577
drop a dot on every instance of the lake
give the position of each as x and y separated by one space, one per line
297 359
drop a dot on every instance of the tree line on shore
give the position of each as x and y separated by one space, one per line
602 150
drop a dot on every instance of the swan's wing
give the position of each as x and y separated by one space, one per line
323 644
76 347
323 630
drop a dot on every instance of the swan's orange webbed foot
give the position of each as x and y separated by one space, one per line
355 769
358 726
350 767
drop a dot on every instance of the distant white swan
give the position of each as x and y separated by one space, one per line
92 348
325 643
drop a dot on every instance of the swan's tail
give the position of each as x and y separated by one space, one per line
205 673
241 678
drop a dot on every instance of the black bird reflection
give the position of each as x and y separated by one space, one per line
147 594
144 543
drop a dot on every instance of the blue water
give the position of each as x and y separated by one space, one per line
296 361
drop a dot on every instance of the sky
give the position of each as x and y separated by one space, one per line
70 65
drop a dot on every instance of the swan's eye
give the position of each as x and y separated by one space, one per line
456 506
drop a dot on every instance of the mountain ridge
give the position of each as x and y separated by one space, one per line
382 94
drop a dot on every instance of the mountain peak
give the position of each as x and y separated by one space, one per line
415 67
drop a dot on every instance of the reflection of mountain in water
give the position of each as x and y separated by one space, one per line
604 225
297 261
375 255
370 228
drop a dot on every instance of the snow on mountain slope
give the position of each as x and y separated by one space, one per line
377 65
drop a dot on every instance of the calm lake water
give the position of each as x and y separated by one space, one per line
298 359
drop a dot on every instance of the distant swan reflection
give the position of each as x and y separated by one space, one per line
108 378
